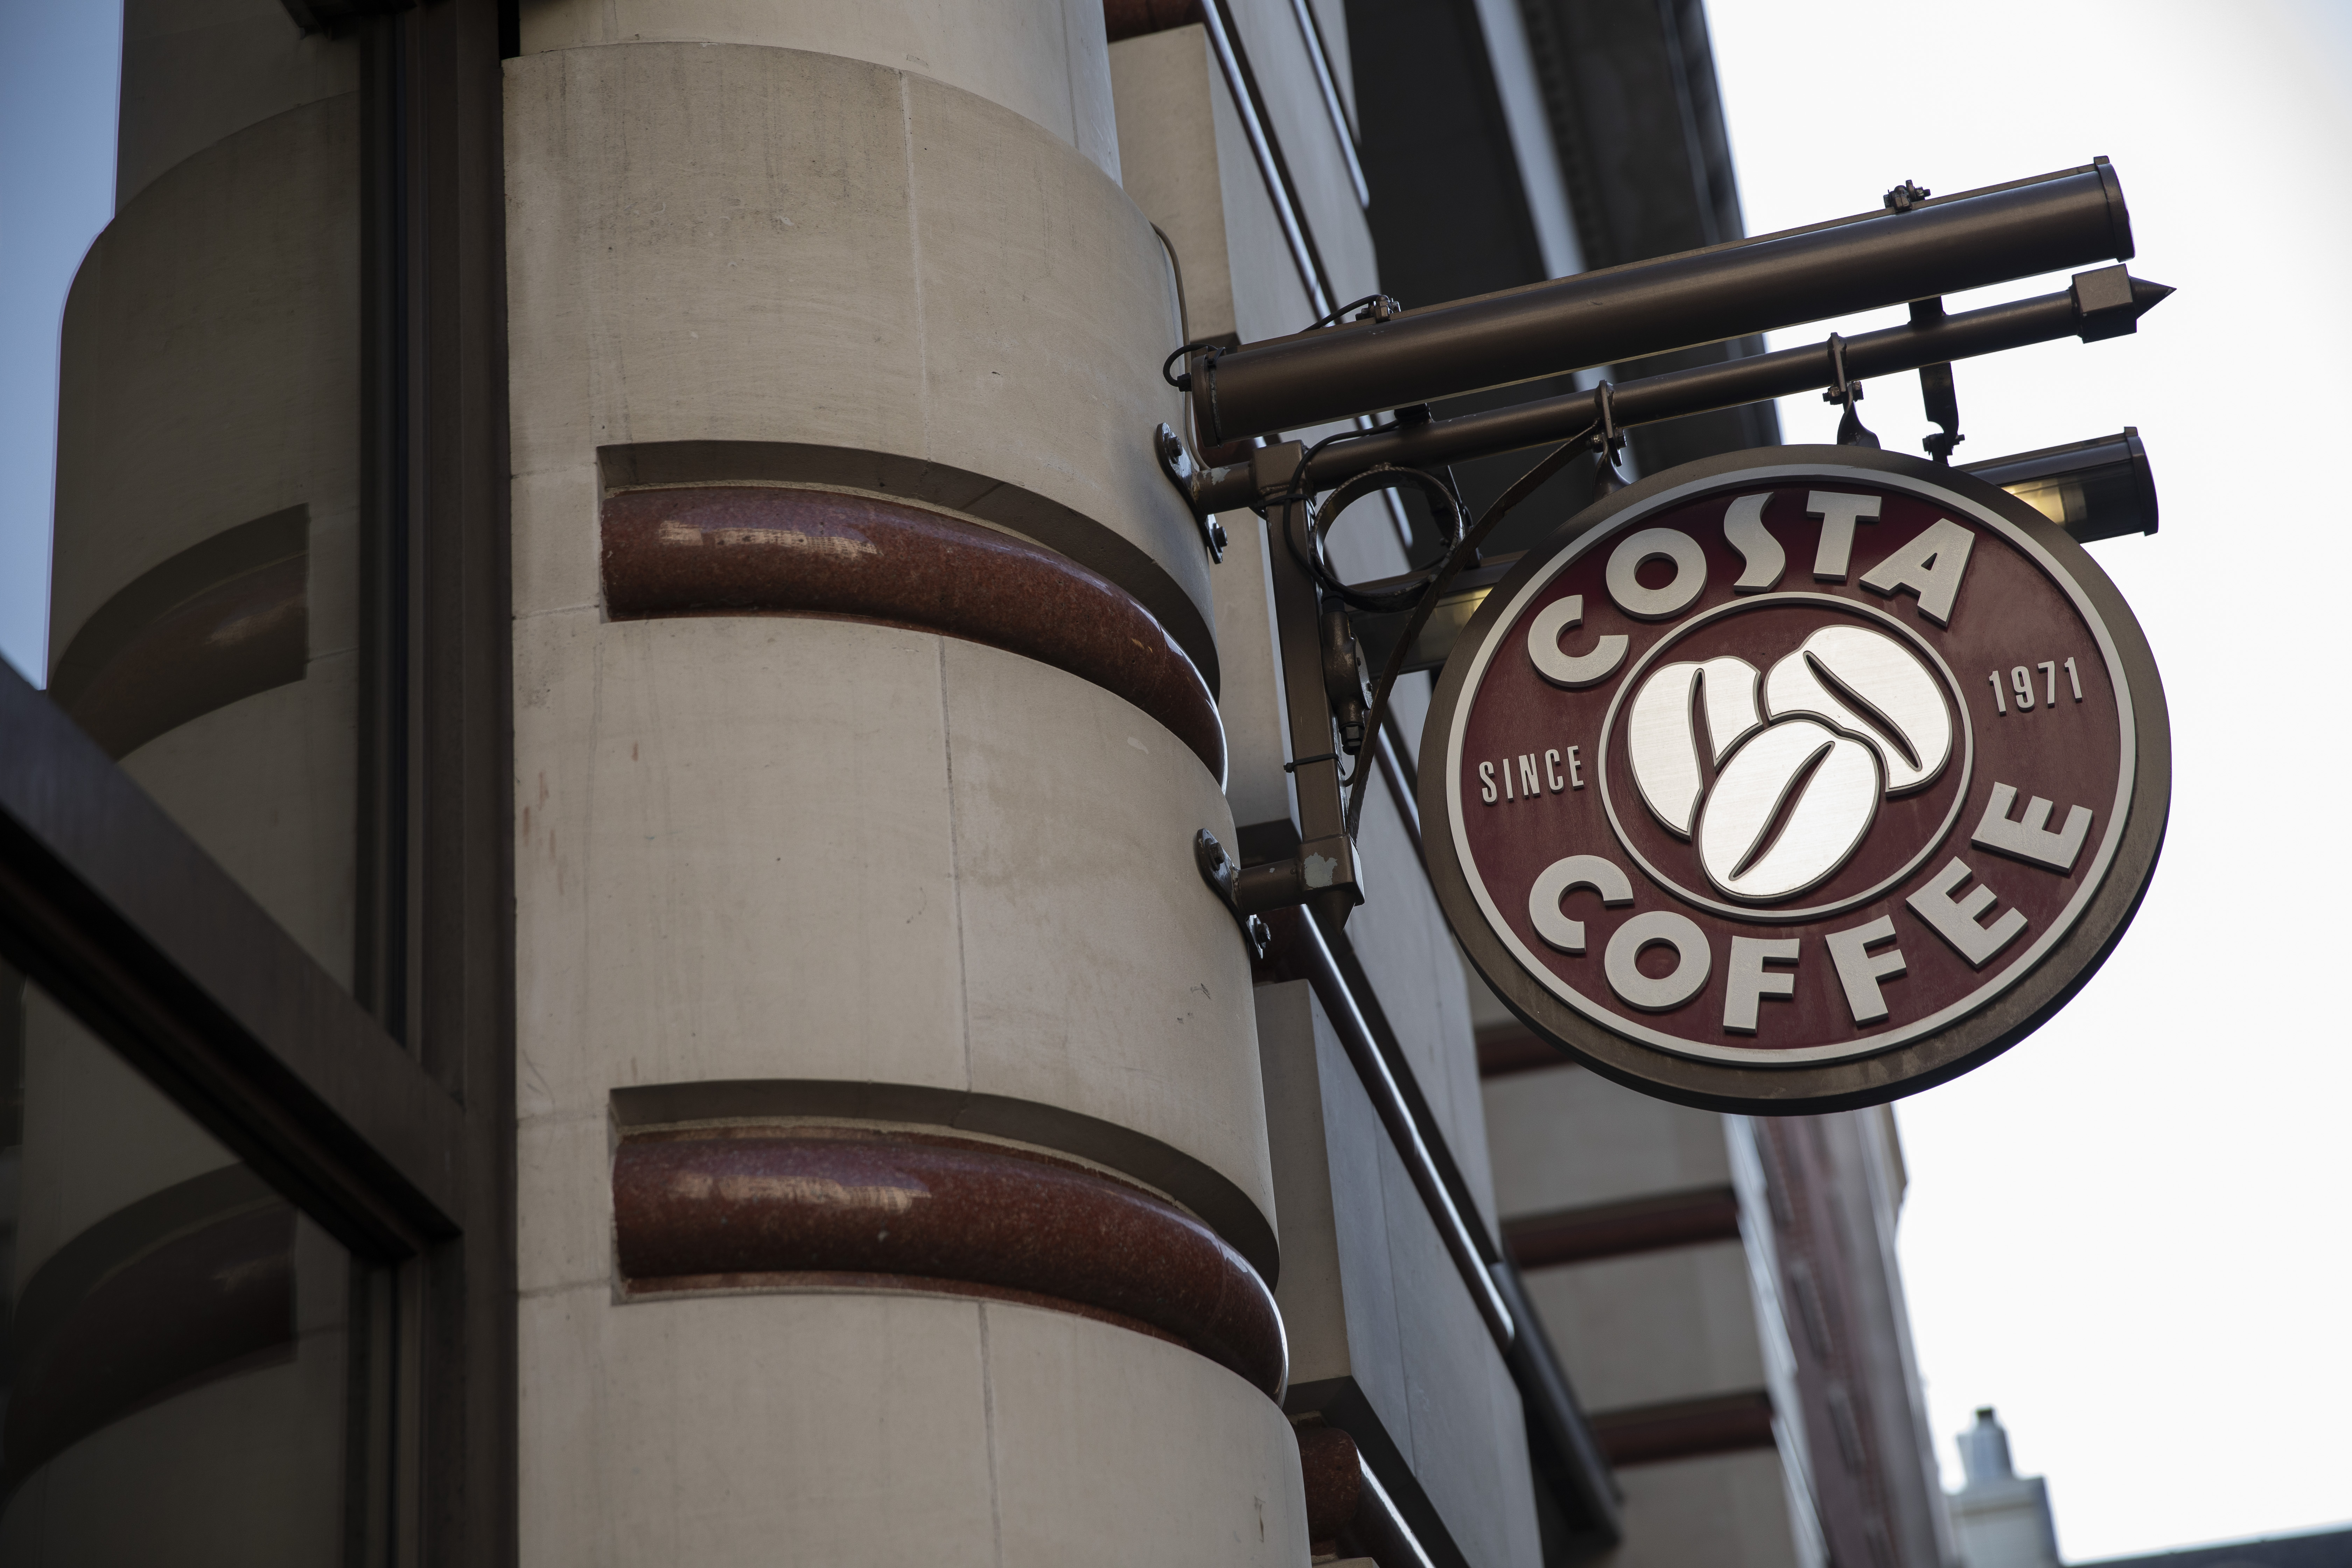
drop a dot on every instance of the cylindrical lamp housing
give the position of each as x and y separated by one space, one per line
2101 489
2055 222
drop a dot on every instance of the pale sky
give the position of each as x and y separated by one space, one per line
60 73
2133 1233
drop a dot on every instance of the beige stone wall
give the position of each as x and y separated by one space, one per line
731 243
772 848
1043 59
833 1429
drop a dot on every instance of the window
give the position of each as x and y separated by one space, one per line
178 1333
255 1059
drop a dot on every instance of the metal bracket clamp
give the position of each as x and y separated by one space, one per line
1321 866
1323 871
1606 442
1182 472
1217 869
1851 431
1936 393
1345 680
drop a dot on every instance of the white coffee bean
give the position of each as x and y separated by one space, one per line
1868 685
1661 731
1821 789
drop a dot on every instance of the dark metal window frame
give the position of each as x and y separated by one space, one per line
388 1114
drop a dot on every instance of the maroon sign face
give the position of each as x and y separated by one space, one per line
1800 778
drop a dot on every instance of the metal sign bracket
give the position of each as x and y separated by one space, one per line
1321 871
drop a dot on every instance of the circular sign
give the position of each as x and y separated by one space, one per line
1796 779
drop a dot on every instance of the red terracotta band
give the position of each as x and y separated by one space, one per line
1124 19
222 620
1686 1428
1333 1476
735 1212
1506 1048
780 549
1621 1229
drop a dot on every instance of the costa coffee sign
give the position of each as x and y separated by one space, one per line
1797 779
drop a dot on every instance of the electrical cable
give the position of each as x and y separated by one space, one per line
1463 554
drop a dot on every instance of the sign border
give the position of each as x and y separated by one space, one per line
1929 1051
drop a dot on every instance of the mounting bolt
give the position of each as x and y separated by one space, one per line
1905 196
1217 869
1176 462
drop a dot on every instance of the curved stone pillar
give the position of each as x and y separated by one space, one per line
1043 59
831 1429
204 595
761 849
893 1174
719 243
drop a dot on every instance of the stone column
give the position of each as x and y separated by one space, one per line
893 1175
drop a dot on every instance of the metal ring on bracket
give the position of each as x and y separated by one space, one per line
1310 524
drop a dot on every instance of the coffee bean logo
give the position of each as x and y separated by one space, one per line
1789 809
1867 684
1799 756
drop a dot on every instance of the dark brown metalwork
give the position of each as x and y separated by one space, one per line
2075 217
1562 1447
460 849
2099 489
1324 842
1730 384
110 906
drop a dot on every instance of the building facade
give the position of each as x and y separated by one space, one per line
613 964
2000 1516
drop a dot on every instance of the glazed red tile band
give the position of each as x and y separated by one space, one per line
813 1208
787 550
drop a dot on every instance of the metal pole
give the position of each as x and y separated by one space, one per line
2100 304
2072 218
1322 871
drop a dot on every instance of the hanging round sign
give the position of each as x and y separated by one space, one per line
1795 779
